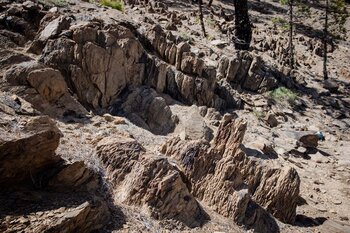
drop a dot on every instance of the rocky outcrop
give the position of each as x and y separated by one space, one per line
149 110
37 136
99 61
229 174
41 192
148 181
45 88
44 212
247 71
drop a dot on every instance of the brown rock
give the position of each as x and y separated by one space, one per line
147 180
271 120
52 29
36 142
48 82
232 69
181 48
187 62
281 200
147 109
17 74
98 58
70 177
307 139
223 172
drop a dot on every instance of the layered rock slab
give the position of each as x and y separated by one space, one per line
33 148
39 191
225 168
147 180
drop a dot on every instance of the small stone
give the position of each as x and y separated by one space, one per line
108 117
119 121
322 210
227 117
331 85
219 43
336 202
271 120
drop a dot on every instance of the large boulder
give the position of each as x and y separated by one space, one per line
49 83
148 109
25 152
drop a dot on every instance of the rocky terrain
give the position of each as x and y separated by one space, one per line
132 121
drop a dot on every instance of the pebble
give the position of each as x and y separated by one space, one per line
336 202
322 210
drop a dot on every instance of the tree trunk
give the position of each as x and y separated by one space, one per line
243 25
201 17
291 46
325 38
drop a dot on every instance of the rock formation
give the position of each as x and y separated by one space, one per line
149 181
225 168
51 194
82 83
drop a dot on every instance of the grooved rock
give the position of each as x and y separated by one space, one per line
213 177
101 61
225 170
281 200
72 176
39 191
147 180
25 152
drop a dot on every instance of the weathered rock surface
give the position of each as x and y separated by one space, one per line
36 143
150 111
84 56
48 82
225 168
40 192
45 88
100 60
148 181
247 71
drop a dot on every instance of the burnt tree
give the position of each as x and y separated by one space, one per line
243 34
325 38
201 17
